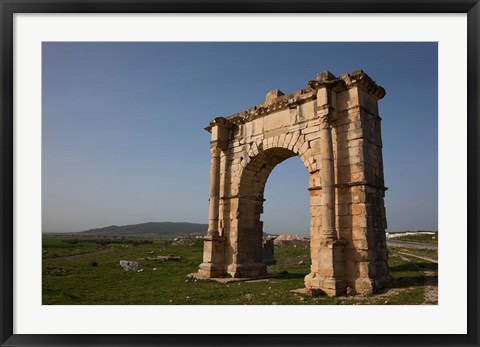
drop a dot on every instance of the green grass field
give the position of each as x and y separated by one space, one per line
87 273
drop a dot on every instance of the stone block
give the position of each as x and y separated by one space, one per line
277 120
359 221
344 233
129 265
315 200
364 285
357 255
359 244
359 233
293 140
272 95
363 268
344 210
359 197
254 127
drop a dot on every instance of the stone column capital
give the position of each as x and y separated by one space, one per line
215 149
217 144
325 114
325 121
329 84
220 122
220 128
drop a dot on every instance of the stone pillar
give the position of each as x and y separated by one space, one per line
364 223
327 250
214 190
214 244
328 178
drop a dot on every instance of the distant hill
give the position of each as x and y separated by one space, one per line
158 229
162 229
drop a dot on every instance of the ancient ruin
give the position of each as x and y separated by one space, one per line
334 127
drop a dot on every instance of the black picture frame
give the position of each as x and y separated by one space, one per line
10 7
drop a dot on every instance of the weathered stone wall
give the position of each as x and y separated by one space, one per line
334 127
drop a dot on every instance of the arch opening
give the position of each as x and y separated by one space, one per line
287 200
245 248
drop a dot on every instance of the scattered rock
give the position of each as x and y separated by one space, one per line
59 271
128 265
350 291
268 251
162 258
141 270
292 241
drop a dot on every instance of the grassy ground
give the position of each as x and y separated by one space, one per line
425 238
89 273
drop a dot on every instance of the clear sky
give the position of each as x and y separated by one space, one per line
123 139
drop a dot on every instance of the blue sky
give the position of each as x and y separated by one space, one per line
123 139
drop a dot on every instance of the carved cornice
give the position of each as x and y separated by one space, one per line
335 84
356 109
364 81
302 96
361 183
282 102
353 184
219 121
314 188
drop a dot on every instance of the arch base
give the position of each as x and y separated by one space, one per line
213 254
247 270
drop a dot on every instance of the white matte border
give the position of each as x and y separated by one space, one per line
449 317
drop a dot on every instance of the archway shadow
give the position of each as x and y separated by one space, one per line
414 266
417 280
287 275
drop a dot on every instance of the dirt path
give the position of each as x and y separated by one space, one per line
84 255
419 257
431 289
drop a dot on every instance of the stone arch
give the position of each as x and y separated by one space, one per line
251 186
334 127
